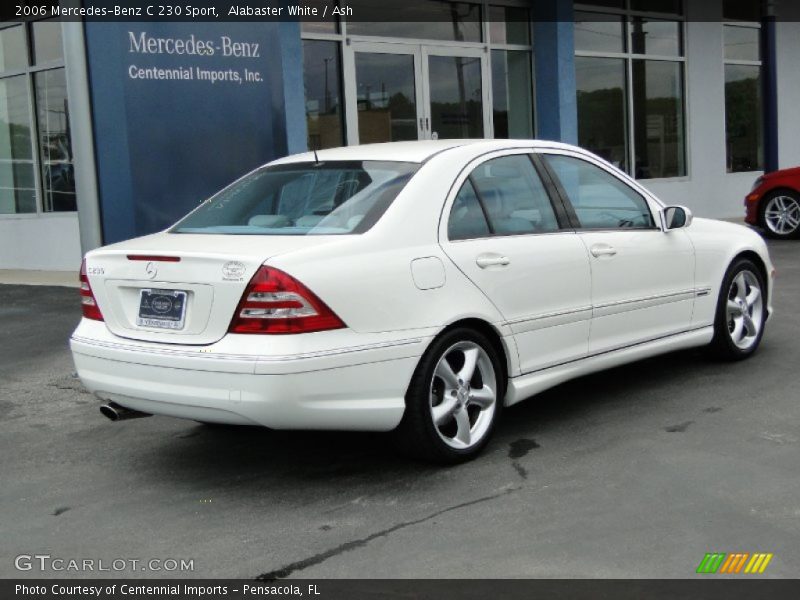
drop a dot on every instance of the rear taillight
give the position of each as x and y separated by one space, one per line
88 302
275 302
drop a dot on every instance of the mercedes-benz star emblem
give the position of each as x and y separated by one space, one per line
151 270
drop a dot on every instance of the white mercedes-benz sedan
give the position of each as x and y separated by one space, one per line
412 287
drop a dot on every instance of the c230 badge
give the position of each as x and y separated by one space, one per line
233 271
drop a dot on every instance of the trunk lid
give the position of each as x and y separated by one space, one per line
213 271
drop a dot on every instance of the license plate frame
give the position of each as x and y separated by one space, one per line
162 309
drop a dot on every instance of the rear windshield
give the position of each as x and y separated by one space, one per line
328 198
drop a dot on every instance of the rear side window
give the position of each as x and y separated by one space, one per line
600 200
326 198
467 219
502 196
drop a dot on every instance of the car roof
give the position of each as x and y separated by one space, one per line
414 151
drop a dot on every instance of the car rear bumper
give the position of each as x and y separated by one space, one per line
360 389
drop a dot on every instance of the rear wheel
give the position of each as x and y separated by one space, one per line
780 214
741 312
454 399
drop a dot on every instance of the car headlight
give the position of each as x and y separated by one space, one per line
757 183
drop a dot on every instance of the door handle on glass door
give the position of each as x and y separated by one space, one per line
599 250
485 261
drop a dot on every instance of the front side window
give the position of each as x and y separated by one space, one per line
600 200
502 196
329 198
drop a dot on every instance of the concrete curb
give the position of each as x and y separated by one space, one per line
24 277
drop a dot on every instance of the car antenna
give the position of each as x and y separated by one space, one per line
314 150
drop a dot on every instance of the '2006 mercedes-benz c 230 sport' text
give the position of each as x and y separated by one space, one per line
412 287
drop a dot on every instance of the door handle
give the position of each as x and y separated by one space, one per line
599 250
485 261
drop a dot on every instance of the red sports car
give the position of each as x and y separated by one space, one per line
774 203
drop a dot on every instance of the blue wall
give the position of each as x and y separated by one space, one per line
554 69
164 145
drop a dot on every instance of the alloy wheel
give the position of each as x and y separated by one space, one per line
782 215
745 310
463 395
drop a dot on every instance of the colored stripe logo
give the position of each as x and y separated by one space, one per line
734 563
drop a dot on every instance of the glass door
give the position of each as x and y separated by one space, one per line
397 91
456 93
388 95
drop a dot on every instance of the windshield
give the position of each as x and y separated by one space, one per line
328 198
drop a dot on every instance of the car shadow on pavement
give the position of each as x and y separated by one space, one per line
254 458
631 386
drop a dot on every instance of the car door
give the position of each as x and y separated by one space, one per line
642 277
503 230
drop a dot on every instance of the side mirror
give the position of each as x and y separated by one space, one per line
676 217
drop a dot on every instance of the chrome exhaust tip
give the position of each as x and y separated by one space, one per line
114 412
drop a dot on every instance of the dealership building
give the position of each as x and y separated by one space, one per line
109 130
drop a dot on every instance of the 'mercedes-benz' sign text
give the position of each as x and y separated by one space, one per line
194 47
142 43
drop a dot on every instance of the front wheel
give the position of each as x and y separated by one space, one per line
454 399
741 312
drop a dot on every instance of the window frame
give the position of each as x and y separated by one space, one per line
348 79
464 176
628 56
30 71
654 205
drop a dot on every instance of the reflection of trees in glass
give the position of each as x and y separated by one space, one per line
658 119
321 82
659 138
386 97
55 145
511 94
456 103
20 139
458 119
601 124
401 105
743 124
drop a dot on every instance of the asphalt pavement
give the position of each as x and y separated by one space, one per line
635 472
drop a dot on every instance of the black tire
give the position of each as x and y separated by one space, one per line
723 345
417 435
762 219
